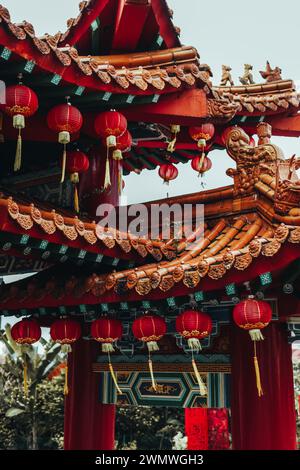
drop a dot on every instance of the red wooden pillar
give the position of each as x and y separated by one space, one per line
91 190
89 424
268 422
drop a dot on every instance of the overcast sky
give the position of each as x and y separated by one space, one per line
224 32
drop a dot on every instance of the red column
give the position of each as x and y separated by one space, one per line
91 190
268 422
89 425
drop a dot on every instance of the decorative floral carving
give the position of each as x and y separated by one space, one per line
203 268
124 244
255 247
191 278
48 226
70 232
41 45
155 279
167 282
25 221
90 237
157 254
142 250
295 235
143 286
36 214
13 209
271 248
178 274
18 32
243 261
132 279
216 271
281 233
228 259
110 281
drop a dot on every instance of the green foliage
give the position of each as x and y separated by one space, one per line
34 421
148 428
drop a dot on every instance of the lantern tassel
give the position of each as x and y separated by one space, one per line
154 384
18 157
172 145
120 180
25 378
107 181
76 199
256 335
66 387
202 387
257 373
64 161
113 375
194 344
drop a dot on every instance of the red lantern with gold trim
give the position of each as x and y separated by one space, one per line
64 119
201 164
26 332
193 326
65 332
107 331
110 125
150 329
253 315
168 172
21 102
202 134
77 163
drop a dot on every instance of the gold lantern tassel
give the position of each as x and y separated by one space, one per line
113 375
120 179
257 373
18 157
25 378
66 387
175 129
107 180
76 199
154 384
64 161
202 387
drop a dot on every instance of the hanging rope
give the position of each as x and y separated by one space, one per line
25 377
154 384
107 180
64 162
66 387
257 373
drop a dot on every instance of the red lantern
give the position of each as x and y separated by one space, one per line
65 332
253 315
201 164
66 120
193 326
201 134
77 162
106 331
168 172
150 329
26 332
110 125
21 102
124 143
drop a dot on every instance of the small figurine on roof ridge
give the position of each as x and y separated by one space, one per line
271 75
226 76
247 78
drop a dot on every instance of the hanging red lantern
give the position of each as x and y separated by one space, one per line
21 102
77 162
202 134
65 332
110 125
168 172
66 120
201 164
193 326
150 329
26 332
124 143
107 331
253 315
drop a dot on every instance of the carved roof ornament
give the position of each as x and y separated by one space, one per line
251 161
247 78
226 76
271 75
